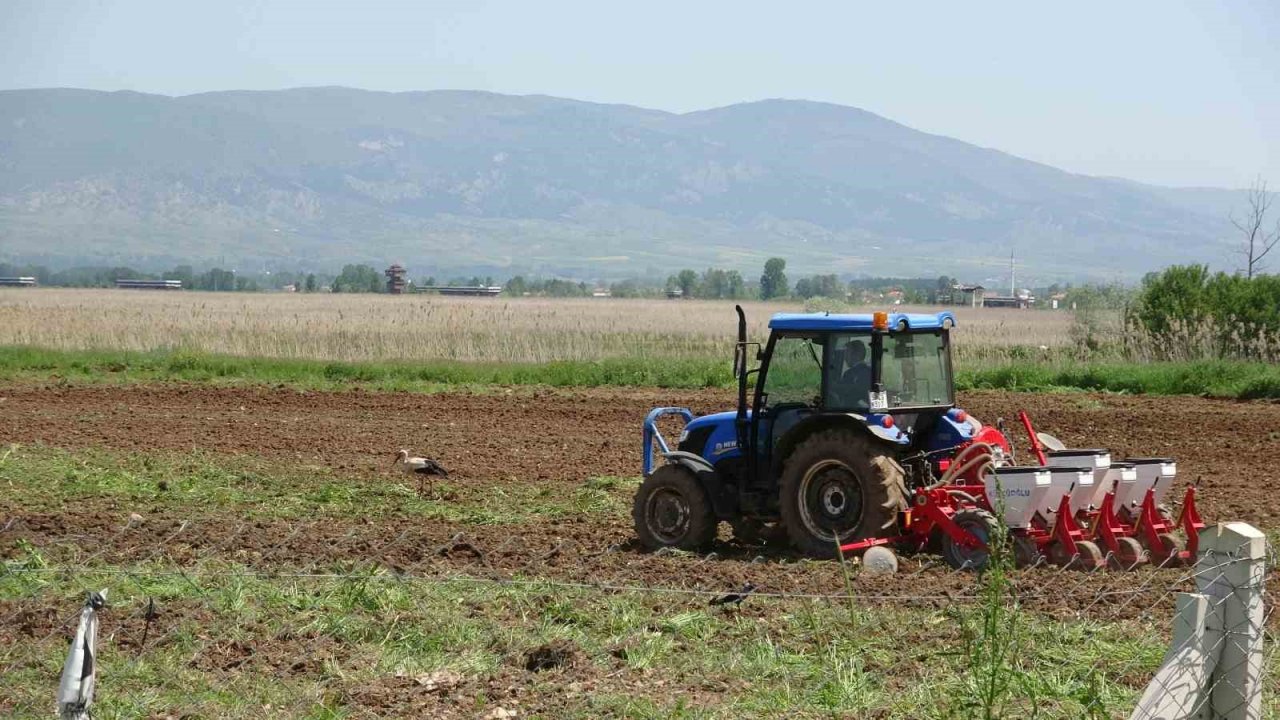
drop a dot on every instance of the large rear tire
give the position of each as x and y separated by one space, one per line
672 510
840 484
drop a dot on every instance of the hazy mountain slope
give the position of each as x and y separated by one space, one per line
459 180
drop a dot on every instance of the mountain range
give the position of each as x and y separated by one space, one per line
463 181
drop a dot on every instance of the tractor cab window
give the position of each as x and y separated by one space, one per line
848 372
916 369
795 371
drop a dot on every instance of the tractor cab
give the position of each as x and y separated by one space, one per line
890 373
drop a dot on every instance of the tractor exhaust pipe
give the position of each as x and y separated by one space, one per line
740 369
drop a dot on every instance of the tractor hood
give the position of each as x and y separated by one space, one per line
729 416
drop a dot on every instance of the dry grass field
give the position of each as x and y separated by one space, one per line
382 327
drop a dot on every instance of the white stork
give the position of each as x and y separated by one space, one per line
420 466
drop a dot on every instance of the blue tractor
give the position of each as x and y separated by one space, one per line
849 416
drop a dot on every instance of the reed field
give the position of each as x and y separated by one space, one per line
425 343
421 327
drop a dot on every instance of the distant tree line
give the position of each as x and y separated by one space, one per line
711 283
214 279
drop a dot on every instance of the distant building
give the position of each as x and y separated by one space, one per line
971 295
477 291
675 294
1023 300
601 293
396 281
149 284
17 282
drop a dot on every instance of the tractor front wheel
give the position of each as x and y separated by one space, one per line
840 486
672 510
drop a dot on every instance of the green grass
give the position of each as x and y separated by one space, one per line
44 479
636 655
1225 379
21 362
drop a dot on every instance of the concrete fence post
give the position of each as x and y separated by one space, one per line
1231 570
1179 689
1213 670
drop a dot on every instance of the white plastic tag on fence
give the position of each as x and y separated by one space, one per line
75 692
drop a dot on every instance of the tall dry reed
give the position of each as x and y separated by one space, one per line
383 327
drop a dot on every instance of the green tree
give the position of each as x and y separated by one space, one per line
625 289
310 285
216 279
516 286
185 273
773 283
358 279
736 285
804 288
942 289
715 283
828 286
1173 300
687 280
1188 313
914 296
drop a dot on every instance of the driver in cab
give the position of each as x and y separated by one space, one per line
852 388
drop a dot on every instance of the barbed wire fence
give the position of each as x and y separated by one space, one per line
141 571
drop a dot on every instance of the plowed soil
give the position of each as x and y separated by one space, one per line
559 439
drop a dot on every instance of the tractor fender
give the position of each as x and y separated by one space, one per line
824 421
722 499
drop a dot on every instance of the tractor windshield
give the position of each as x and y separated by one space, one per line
916 369
834 371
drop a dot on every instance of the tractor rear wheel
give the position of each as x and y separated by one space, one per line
840 486
672 510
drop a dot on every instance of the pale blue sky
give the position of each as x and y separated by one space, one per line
1177 92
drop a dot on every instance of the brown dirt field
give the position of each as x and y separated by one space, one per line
561 438
557 439
518 435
